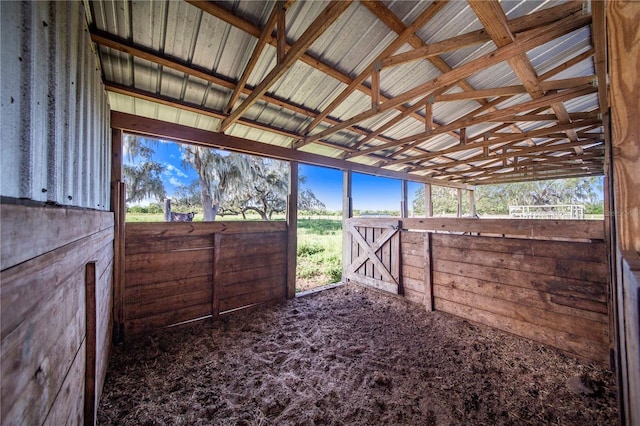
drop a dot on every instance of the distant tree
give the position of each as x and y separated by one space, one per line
142 175
265 192
232 184
307 201
188 196
220 175
443 199
496 199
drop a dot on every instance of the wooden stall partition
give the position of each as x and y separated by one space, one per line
548 291
251 269
42 288
549 284
168 276
181 272
628 299
373 255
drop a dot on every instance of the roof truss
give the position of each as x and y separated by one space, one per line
546 126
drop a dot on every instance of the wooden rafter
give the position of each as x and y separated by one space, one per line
525 42
216 10
315 30
418 23
116 43
494 21
517 25
545 132
470 120
279 7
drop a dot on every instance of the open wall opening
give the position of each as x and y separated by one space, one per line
319 253
176 182
375 196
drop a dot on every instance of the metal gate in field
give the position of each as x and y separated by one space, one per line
373 253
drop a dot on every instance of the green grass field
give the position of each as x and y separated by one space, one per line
319 252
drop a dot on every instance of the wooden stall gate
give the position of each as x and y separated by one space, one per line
545 280
373 256
180 272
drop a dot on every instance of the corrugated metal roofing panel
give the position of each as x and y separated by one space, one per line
56 138
349 45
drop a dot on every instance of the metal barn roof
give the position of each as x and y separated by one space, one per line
472 92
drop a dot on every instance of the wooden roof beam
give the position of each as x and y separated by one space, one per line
595 151
517 25
531 176
216 10
478 119
315 30
114 42
510 138
567 161
257 51
525 42
494 20
515 90
162 129
418 23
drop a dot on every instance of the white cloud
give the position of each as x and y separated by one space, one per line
173 170
175 181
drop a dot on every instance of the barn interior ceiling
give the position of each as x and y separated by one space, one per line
466 92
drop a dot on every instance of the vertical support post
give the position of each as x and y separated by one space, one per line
347 213
116 156
472 202
375 86
119 280
90 344
624 61
459 193
217 280
404 203
118 207
428 201
292 229
463 136
428 273
167 209
428 116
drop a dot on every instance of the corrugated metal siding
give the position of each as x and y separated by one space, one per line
55 117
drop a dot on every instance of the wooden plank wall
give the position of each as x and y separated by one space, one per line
628 299
168 278
251 268
550 291
178 272
42 288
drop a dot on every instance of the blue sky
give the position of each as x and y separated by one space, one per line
369 192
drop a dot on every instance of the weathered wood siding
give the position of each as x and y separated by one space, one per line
178 272
553 292
628 299
42 287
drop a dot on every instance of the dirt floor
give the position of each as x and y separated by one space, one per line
349 355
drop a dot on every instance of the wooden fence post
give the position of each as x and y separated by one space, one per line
292 230
428 273
90 345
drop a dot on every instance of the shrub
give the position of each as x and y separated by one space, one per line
309 249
